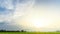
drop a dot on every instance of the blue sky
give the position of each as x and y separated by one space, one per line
13 10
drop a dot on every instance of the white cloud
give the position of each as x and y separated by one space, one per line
13 12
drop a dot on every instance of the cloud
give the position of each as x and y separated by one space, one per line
10 10
7 8
13 13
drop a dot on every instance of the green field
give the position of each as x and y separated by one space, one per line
29 32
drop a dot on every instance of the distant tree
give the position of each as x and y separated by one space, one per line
23 31
2 30
57 31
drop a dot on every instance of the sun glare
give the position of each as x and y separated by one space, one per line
39 22
35 18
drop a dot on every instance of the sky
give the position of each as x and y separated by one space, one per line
30 15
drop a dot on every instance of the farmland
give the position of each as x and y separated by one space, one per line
29 32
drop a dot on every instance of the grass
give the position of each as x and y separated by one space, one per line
29 32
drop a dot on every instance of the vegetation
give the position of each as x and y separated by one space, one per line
12 31
24 32
29 32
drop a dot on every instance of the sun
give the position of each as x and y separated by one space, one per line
39 22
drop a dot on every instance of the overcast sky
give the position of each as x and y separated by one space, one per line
13 14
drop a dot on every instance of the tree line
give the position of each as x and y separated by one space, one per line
12 31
